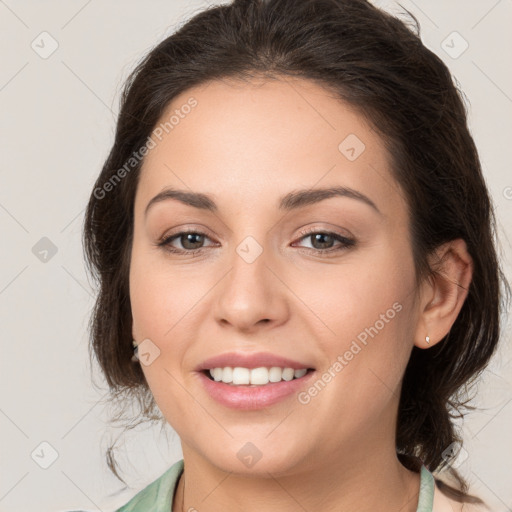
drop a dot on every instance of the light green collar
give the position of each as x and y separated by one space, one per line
158 496
427 488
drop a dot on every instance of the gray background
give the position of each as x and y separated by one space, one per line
57 123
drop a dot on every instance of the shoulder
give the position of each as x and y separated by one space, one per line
158 495
456 506
443 503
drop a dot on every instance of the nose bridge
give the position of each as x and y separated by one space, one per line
249 274
251 292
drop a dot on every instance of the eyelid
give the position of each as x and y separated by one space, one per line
190 228
344 242
167 238
318 229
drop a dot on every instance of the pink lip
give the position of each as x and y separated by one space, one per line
252 397
257 360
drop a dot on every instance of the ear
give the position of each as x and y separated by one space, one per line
443 294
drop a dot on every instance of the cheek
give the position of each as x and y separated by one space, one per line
159 298
148 303
353 295
366 314
366 348
157 308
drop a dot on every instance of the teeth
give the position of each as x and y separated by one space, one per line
274 374
227 376
256 376
240 375
216 373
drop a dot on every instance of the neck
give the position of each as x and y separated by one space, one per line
376 481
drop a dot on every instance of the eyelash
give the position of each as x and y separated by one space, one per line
345 242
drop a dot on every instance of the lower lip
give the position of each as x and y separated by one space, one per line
252 397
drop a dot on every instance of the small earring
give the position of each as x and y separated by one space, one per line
135 356
427 339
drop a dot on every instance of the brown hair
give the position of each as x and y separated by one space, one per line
378 64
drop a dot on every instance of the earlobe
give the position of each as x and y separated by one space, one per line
444 293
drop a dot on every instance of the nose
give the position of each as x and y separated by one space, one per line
252 295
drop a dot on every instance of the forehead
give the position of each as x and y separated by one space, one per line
263 136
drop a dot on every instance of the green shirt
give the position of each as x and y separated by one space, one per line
158 495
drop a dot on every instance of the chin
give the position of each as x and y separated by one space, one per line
256 457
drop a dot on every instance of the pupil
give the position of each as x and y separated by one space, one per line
322 235
187 240
318 237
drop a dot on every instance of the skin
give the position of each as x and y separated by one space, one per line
246 145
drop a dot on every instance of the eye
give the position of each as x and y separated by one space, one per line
322 241
190 241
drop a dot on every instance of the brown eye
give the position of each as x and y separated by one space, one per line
325 241
191 242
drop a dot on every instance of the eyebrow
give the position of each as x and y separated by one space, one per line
291 201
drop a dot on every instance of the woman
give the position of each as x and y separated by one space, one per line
293 229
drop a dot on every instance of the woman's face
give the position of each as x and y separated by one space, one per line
342 302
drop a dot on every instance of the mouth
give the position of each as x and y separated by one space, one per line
255 377
252 389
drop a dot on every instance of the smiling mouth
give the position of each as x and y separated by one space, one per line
297 374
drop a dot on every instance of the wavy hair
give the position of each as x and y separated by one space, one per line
376 63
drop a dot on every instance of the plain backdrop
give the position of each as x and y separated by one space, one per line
62 67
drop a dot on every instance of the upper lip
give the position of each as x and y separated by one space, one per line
255 360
